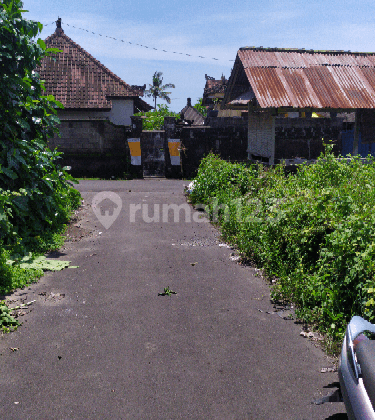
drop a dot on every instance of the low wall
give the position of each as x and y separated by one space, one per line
90 136
229 142
99 165
94 148
305 137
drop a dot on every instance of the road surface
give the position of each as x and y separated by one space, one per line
100 343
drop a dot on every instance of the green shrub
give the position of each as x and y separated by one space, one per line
154 120
12 276
36 196
314 231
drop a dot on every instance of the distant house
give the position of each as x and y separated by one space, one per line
214 91
85 86
88 90
190 115
274 86
97 107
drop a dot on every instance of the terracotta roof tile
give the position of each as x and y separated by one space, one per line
77 79
215 86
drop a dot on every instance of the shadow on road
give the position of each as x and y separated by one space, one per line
337 416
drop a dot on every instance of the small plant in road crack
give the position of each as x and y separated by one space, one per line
167 292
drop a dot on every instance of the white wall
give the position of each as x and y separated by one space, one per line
261 137
122 110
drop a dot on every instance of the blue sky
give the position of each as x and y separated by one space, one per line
212 29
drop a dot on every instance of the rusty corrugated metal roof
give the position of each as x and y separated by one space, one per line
76 79
310 79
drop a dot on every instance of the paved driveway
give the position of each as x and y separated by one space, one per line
100 343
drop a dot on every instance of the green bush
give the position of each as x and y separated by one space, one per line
13 276
154 120
314 231
36 196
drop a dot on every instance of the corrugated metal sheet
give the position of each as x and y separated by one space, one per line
309 79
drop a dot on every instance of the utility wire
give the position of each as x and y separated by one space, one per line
134 43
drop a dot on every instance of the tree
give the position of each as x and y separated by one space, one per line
35 195
154 120
201 108
157 89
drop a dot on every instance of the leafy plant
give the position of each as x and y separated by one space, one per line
7 322
313 231
36 196
154 120
40 263
201 108
167 292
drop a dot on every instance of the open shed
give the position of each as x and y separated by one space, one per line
284 89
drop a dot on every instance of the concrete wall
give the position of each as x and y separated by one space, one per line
93 148
97 147
226 137
303 137
122 110
261 140
90 136
153 153
272 139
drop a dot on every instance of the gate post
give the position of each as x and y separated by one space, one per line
134 142
172 145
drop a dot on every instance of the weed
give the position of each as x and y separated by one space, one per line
7 322
167 292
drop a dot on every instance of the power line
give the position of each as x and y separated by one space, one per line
140 45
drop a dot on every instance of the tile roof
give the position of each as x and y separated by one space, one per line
191 114
77 79
304 78
215 86
213 89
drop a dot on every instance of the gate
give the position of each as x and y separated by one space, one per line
153 153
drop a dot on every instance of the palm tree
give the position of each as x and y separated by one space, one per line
157 89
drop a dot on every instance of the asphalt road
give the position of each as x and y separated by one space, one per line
99 343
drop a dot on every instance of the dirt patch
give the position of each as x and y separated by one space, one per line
82 225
